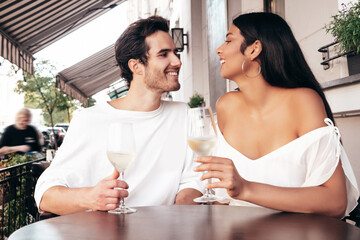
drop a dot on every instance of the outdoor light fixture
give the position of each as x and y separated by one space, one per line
178 37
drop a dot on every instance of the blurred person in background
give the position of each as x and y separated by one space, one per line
20 137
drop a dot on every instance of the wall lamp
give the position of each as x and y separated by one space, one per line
178 37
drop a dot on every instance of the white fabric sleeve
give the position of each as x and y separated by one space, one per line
190 178
322 162
67 167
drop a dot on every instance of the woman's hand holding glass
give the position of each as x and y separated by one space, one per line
202 139
224 170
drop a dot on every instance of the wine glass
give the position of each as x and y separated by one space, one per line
202 138
120 152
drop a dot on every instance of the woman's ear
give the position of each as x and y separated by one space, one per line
256 49
136 66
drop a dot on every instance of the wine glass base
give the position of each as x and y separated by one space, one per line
125 210
207 198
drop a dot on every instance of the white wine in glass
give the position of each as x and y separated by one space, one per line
202 146
120 160
121 152
202 139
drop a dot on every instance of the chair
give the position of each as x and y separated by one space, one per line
354 215
47 215
37 169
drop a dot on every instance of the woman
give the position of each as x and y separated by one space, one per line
275 149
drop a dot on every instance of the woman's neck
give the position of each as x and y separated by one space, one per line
255 91
260 97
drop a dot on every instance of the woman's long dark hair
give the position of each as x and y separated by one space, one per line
282 61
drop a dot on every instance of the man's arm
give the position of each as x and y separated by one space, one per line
187 196
5 150
62 200
20 148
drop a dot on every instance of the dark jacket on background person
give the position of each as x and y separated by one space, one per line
15 137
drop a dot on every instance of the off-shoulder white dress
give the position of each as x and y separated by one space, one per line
309 160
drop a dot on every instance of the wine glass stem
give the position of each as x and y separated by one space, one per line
122 200
207 191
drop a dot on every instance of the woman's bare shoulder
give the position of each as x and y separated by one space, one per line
308 109
228 100
227 105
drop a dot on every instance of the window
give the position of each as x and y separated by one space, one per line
275 6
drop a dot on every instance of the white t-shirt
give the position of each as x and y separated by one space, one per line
309 160
162 167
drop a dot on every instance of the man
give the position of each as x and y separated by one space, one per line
20 137
81 177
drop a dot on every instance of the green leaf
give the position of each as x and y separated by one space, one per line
196 100
40 91
345 26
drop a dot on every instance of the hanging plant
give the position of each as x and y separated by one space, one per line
345 27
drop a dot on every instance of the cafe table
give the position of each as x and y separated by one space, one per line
188 222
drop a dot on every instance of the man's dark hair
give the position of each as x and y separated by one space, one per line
131 44
282 61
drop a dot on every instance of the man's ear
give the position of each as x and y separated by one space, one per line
136 66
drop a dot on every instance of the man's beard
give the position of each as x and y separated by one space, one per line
158 80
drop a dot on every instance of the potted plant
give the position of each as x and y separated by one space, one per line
196 101
345 27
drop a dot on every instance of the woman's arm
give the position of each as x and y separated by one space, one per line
328 199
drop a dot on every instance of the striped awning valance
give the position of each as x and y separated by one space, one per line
28 26
89 76
10 51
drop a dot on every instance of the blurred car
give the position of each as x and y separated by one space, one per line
63 125
59 136
46 138
58 130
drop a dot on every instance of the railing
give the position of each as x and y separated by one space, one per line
17 204
326 57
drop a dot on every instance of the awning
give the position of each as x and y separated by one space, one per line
89 76
28 26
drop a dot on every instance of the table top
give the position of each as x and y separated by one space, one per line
189 222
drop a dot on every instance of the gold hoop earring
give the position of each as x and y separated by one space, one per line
242 68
